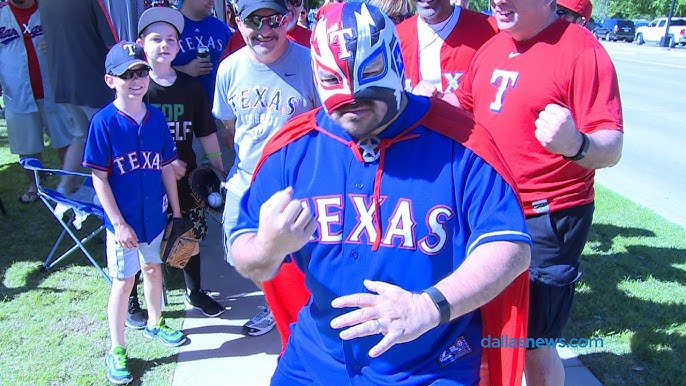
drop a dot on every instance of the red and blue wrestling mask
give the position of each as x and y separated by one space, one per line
356 56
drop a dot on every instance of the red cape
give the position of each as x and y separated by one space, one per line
505 315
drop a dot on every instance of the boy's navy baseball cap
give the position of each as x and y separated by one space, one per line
123 56
165 14
245 7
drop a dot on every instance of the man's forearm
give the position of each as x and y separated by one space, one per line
486 272
252 260
605 149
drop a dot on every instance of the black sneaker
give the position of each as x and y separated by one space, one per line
136 317
199 300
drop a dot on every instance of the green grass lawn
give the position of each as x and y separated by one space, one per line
53 328
633 295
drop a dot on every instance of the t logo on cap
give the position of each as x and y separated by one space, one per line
122 56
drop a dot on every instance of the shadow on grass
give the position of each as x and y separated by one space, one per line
139 367
630 293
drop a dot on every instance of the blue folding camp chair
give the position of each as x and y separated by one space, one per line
76 207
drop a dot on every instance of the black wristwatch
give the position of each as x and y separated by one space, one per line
585 143
440 302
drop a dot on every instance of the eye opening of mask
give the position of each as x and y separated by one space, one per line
374 67
328 78
256 21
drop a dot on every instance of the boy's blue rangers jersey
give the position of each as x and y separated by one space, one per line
133 156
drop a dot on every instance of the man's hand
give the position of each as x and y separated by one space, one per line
557 132
401 316
179 169
125 236
427 89
196 67
285 224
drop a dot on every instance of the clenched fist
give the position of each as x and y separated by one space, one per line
557 132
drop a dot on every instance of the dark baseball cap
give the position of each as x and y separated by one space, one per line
245 7
165 14
123 56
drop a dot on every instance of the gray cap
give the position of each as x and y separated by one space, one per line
245 7
165 14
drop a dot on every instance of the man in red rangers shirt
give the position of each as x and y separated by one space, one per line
441 30
548 93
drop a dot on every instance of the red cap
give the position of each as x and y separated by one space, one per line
582 7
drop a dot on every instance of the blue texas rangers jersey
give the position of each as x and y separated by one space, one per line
439 201
133 156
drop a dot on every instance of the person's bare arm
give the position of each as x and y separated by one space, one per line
196 67
210 145
226 135
284 227
404 316
123 233
169 181
557 132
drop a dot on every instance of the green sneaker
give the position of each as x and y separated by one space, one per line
117 372
167 335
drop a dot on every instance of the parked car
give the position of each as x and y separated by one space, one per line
655 31
640 22
615 29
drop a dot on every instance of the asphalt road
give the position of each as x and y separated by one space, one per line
652 171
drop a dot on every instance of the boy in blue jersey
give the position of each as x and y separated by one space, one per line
129 150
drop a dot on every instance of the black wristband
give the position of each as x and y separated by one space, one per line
585 143
440 302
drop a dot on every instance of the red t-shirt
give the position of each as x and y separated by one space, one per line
23 15
510 83
298 34
472 30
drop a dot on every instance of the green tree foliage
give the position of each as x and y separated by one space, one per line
637 8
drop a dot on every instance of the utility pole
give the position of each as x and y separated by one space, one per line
666 39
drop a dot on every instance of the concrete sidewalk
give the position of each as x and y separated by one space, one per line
219 354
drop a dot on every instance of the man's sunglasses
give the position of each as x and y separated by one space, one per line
255 21
397 19
139 73
295 3
568 14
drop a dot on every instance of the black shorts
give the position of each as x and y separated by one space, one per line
558 241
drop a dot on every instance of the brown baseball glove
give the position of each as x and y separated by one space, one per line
179 243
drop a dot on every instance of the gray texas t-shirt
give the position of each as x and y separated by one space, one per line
261 97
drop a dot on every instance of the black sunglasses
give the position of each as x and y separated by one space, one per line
568 14
397 19
255 21
139 73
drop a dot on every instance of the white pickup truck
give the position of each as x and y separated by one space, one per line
655 31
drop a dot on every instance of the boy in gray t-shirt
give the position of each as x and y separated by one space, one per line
258 89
